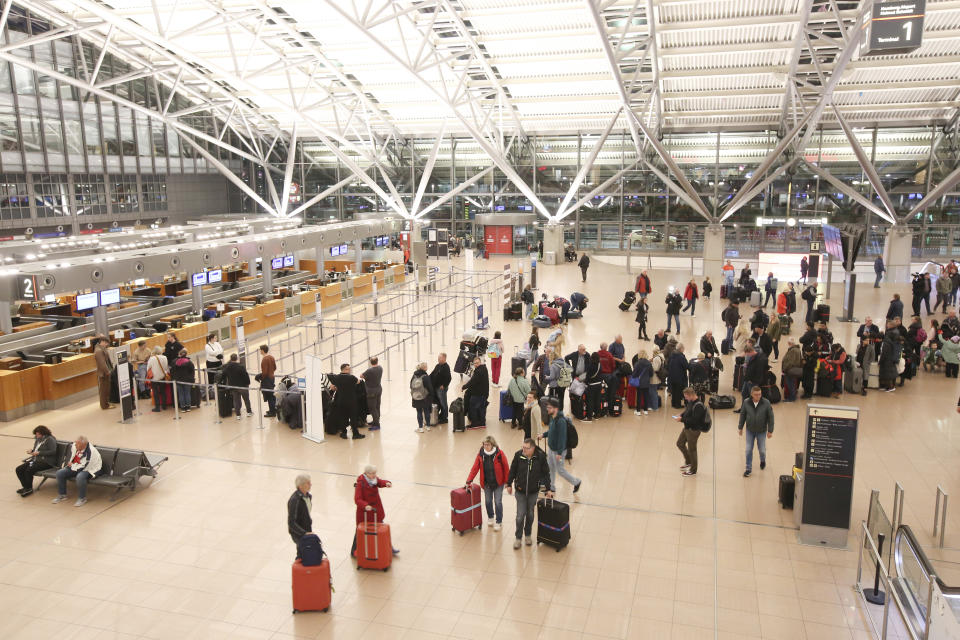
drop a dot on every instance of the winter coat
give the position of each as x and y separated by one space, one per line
944 286
90 460
172 350
889 356
182 370
518 387
366 494
527 475
690 293
730 316
951 352
895 310
759 418
756 369
500 467
774 329
740 336
233 374
299 522
643 371
584 262
426 403
641 317
707 288
677 369
657 363
643 284
792 359
708 346
782 304
673 302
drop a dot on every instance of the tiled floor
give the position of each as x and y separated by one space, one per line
203 552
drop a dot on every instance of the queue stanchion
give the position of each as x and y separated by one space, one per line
216 403
176 399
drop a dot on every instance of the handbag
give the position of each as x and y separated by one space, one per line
577 388
901 365
633 381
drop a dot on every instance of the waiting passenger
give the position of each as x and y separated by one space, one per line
158 371
139 360
183 372
42 456
235 375
268 367
299 522
214 354
83 463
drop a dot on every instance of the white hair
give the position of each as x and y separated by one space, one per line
301 480
370 468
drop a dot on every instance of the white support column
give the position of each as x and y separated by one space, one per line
358 259
6 320
713 251
553 242
267 277
898 254
319 260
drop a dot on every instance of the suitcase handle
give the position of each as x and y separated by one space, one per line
376 534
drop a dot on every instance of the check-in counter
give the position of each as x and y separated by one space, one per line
308 304
62 381
362 284
21 392
330 295
379 277
399 273
272 313
252 320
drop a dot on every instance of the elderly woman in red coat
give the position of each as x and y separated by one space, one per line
367 497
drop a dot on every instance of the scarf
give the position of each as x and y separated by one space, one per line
489 453
370 482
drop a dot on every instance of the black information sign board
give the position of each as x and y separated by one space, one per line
896 26
829 453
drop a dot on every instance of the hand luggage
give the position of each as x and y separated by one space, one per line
435 414
577 387
616 409
506 406
715 381
553 314
518 362
853 379
542 322
772 394
456 411
632 397
722 402
462 365
194 396
465 508
553 523
756 299
374 549
309 550
785 323
723 291
574 314
726 346
578 407
786 491
224 402
822 313
311 587
873 375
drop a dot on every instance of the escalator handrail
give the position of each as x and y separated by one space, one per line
924 560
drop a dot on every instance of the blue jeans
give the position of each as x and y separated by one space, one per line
82 478
525 504
692 305
676 317
494 498
876 283
423 417
730 334
761 440
442 401
141 377
183 395
556 466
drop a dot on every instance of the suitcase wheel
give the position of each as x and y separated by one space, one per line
385 569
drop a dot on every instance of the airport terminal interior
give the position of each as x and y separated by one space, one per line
310 185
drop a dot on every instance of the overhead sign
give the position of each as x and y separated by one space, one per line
28 287
896 26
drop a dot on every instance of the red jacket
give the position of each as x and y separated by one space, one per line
782 303
501 468
364 495
690 292
643 284
607 363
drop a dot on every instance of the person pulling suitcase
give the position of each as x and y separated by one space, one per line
528 473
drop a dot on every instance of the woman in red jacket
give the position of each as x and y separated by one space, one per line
690 294
494 468
367 497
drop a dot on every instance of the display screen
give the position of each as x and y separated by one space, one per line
86 301
288 261
110 296
214 275
832 241
200 279
139 282
50 298
335 251
276 263
379 241
343 249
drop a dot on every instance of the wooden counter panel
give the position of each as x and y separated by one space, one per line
71 376
31 385
273 313
10 396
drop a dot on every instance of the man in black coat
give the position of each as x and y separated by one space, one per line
754 373
476 392
677 376
708 346
584 264
235 375
440 377
299 522
763 341
895 310
528 472
344 411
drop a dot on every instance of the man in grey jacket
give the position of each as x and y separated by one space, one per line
757 415
552 379
372 377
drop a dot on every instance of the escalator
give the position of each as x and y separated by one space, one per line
926 599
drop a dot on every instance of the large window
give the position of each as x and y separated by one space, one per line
124 194
90 194
154 192
51 195
14 197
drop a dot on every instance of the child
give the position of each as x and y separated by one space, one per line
706 288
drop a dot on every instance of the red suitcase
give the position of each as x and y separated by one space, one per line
631 397
552 313
311 587
465 508
374 549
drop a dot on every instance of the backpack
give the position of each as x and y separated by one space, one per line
707 421
921 335
572 438
310 550
417 390
566 376
661 371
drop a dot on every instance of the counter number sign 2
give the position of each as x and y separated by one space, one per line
896 26
28 288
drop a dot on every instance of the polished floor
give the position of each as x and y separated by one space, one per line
203 552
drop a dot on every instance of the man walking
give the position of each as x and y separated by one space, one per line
556 436
440 377
268 367
757 415
695 421
299 522
371 378
878 269
104 370
770 288
731 318
528 472
584 264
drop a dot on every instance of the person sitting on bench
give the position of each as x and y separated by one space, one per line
83 463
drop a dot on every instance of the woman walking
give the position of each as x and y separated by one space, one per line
690 294
641 320
494 468
495 354
518 389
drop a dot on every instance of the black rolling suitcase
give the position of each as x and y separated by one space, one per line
822 313
517 363
578 407
714 381
786 491
616 409
194 396
224 402
553 523
457 413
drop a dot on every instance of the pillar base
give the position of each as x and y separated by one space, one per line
553 243
898 254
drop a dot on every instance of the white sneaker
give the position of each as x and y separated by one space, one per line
80 502
428 428
490 523
516 543
497 527
238 417
420 430
645 412
528 541
58 499
638 412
